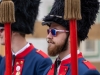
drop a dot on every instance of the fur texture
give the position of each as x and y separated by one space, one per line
26 12
89 10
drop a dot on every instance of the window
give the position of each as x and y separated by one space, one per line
98 17
90 47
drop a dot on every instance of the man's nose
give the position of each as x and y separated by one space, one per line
49 36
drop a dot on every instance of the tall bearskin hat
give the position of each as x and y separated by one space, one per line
26 12
89 10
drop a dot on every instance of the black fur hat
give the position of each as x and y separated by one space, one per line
89 10
1 25
26 12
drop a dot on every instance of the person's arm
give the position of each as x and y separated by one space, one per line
44 64
92 72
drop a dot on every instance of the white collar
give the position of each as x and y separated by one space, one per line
21 50
69 55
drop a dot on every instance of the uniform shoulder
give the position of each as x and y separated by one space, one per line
89 65
84 66
92 72
40 52
82 63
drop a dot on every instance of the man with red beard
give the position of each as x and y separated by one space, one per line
58 38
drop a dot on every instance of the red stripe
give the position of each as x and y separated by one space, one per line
25 52
42 53
69 60
89 65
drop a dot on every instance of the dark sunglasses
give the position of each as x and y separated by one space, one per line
1 30
54 31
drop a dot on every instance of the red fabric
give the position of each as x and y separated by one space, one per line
73 45
69 60
63 69
89 65
51 71
8 53
42 53
18 63
25 52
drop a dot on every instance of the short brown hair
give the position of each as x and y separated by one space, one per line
22 34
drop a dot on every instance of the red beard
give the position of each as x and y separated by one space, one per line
53 48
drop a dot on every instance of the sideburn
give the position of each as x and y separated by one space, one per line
58 49
65 46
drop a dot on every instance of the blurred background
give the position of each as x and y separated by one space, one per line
90 47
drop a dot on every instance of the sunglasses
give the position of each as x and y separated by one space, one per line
54 31
1 30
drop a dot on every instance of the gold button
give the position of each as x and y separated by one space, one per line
17 73
21 62
17 63
65 69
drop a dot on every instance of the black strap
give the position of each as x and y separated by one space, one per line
57 63
13 61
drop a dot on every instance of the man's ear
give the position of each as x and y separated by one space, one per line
14 33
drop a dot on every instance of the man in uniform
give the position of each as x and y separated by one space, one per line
26 59
58 38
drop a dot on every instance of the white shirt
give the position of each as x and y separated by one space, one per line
21 50
66 57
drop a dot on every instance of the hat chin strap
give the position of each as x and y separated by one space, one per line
66 41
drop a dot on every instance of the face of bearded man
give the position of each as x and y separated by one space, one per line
56 43
55 48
